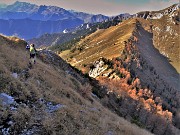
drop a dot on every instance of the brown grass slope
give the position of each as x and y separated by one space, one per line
51 80
106 43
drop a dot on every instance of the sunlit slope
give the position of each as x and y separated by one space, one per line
106 43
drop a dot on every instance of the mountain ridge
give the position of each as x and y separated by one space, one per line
126 63
22 28
165 32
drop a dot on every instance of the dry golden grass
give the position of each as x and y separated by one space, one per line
106 43
80 115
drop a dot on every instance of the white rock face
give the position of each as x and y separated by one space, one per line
163 53
157 29
168 28
175 8
98 69
52 108
87 27
158 15
57 39
65 31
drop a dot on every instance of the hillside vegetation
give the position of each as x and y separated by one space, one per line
140 83
164 25
50 98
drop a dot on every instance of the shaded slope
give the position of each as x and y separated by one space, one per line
156 73
165 28
154 58
50 98
166 38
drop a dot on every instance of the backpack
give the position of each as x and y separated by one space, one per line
27 47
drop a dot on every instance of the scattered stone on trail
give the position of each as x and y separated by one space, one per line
6 100
15 75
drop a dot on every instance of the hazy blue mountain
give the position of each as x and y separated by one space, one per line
29 20
27 28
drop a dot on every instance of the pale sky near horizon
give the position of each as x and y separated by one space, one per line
106 7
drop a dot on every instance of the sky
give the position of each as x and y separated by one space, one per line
105 7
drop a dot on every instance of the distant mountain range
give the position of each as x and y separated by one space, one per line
29 20
60 41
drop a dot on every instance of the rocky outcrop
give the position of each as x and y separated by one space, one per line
6 100
158 14
97 68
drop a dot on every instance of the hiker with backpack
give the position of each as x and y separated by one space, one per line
32 54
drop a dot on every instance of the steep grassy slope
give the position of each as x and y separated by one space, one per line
140 83
106 43
50 98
